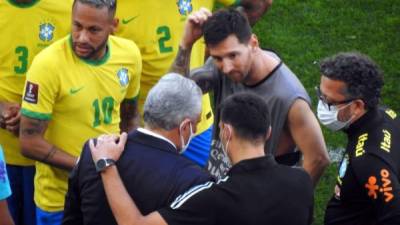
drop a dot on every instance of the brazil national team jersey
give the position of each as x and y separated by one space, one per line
26 29
157 28
81 99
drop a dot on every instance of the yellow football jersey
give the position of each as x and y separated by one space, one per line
26 30
81 99
157 28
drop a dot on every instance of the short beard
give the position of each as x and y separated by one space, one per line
95 51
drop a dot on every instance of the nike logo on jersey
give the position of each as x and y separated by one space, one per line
73 91
126 21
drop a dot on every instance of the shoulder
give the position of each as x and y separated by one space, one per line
119 43
54 54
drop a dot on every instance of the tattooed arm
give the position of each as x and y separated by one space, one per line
34 146
254 9
129 116
181 64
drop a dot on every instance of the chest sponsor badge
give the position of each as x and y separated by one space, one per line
31 92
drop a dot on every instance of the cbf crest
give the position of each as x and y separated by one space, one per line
185 7
123 77
46 31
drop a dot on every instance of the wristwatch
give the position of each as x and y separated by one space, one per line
103 163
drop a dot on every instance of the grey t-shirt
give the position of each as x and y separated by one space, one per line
279 89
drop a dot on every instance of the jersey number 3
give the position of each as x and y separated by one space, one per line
22 53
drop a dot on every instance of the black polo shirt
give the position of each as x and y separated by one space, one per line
255 191
368 188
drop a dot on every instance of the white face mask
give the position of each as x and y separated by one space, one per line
328 117
185 146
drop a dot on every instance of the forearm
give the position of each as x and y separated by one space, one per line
124 209
4 214
41 150
181 63
35 146
130 117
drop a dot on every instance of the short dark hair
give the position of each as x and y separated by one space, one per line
248 114
362 76
225 22
110 4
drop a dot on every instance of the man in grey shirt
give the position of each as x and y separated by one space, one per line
239 64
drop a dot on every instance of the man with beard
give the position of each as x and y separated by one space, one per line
83 85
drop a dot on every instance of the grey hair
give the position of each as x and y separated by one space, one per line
111 5
173 99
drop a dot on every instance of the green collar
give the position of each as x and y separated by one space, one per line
93 62
23 5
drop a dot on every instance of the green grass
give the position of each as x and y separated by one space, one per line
305 31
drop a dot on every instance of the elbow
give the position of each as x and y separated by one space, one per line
26 147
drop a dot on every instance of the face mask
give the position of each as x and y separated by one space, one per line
329 117
185 146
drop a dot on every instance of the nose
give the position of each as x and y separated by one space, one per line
226 66
83 36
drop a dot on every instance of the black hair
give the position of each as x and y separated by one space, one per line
248 114
363 78
225 22
110 4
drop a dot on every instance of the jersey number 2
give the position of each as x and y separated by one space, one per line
22 53
166 36
107 106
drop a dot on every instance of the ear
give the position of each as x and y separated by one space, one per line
114 25
359 107
228 131
254 41
268 135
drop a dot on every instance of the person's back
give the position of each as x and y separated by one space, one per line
151 171
280 183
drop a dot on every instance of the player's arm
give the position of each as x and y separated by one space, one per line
4 214
129 115
35 146
381 185
307 135
122 205
193 32
255 9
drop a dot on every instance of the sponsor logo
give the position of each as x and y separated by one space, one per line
386 188
387 140
46 31
31 92
185 7
391 113
360 145
126 21
73 91
123 76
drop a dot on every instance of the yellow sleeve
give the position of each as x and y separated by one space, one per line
134 82
40 90
229 2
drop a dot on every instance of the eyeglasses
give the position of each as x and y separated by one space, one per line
323 99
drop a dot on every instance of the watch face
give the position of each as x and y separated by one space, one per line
101 164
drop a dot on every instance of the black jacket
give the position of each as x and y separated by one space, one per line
151 170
